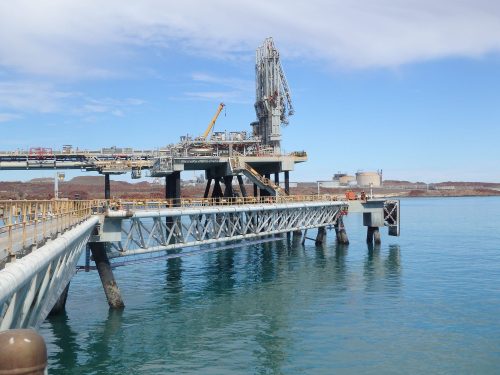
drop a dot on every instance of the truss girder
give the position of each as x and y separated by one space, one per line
30 286
149 231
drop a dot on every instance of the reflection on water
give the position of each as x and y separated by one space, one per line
281 307
65 339
173 285
248 294
377 268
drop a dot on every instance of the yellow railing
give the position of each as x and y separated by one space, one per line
24 223
135 204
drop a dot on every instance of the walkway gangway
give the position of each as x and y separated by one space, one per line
41 241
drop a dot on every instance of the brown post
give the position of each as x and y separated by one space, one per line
320 237
105 271
340 232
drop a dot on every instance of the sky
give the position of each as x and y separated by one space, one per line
411 87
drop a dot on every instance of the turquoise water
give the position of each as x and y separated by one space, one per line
426 302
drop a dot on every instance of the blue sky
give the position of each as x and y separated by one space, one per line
410 87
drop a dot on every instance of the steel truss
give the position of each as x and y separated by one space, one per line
29 287
391 216
151 231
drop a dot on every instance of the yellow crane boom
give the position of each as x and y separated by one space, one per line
212 123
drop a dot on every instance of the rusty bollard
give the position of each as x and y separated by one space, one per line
22 351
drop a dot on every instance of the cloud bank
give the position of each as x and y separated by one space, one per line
86 38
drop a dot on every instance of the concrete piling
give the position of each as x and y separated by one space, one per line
60 304
340 232
297 234
103 266
373 235
321 236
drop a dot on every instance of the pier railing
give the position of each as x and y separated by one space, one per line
26 224
137 204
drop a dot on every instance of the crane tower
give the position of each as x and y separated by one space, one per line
273 103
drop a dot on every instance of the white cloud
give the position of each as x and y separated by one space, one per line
32 97
45 98
74 38
6 117
115 107
229 89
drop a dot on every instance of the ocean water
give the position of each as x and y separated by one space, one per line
427 302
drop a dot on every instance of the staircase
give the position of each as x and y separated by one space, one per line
239 166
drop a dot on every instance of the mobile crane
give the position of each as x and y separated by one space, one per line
212 122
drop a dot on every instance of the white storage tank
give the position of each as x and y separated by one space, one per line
369 178
346 180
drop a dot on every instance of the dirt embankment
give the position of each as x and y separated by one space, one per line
92 187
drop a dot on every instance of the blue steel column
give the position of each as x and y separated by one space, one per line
287 182
107 186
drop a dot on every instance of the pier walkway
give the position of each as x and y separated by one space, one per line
42 241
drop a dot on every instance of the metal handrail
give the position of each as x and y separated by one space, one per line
24 223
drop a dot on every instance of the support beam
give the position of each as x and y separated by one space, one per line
107 186
242 186
321 236
217 191
277 178
207 188
373 235
173 192
255 191
287 182
105 271
173 188
228 186
340 232
60 304
263 192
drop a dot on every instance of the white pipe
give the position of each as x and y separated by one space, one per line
22 271
225 209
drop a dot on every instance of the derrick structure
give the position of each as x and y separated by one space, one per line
273 102
223 155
